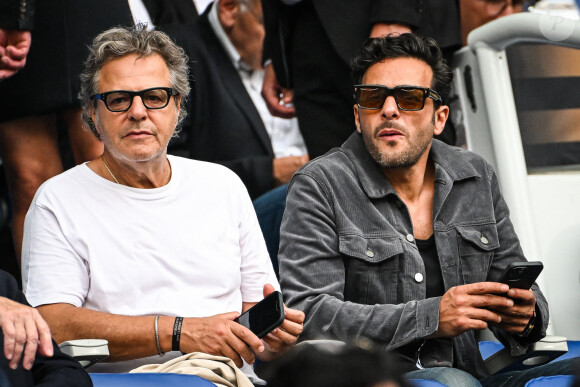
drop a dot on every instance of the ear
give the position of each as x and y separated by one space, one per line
441 115
356 118
227 12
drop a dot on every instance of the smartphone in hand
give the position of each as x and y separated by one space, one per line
265 316
521 275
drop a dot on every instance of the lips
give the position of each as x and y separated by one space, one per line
138 133
386 133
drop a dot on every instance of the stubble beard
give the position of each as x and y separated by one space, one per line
405 158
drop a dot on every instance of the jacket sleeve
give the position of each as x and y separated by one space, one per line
16 14
312 273
511 251
256 172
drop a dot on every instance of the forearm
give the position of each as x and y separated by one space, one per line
389 325
129 337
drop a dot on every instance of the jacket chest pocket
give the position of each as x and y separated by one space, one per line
476 246
372 268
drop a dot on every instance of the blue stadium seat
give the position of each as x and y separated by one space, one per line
148 380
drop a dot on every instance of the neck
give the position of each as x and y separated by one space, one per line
413 182
153 173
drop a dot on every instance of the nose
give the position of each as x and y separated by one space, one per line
137 111
390 109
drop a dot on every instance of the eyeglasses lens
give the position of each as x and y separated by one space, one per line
152 99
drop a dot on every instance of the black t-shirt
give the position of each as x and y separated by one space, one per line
435 288
433 275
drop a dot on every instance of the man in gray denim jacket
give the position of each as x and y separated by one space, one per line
399 238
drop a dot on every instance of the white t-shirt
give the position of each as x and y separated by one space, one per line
192 248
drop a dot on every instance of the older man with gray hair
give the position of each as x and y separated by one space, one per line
118 247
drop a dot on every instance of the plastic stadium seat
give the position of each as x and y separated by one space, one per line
425 383
148 380
551 381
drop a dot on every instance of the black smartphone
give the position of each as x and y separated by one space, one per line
521 275
265 316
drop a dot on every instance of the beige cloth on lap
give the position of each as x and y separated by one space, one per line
219 370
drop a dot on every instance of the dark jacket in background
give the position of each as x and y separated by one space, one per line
311 45
17 14
224 125
56 371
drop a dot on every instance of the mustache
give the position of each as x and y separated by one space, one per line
389 125
134 127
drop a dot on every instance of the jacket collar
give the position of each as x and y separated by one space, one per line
451 164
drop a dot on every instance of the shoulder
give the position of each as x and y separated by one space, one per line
70 182
335 161
460 162
205 173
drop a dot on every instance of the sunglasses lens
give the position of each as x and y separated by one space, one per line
371 97
412 99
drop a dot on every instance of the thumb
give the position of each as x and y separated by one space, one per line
228 316
268 289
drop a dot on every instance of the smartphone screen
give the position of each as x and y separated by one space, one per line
265 316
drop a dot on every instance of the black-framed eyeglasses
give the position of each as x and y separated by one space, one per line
121 100
408 98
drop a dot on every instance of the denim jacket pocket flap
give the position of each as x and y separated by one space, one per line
483 236
370 249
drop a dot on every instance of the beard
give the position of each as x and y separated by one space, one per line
418 143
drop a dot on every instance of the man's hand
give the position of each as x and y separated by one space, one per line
471 306
24 331
14 47
282 338
284 168
515 318
278 98
381 29
220 335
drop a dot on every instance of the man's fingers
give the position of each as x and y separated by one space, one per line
17 53
228 316
45 346
284 336
31 343
19 341
484 288
231 353
490 301
248 337
9 341
526 296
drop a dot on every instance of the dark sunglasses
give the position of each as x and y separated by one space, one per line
121 100
408 98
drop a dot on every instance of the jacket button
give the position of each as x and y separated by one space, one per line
410 238
370 253
419 277
484 240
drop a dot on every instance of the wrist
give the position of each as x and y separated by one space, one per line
165 333
529 327
176 336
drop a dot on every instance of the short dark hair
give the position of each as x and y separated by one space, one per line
407 45
318 365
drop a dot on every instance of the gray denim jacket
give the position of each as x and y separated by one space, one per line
348 258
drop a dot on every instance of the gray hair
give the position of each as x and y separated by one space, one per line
122 41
